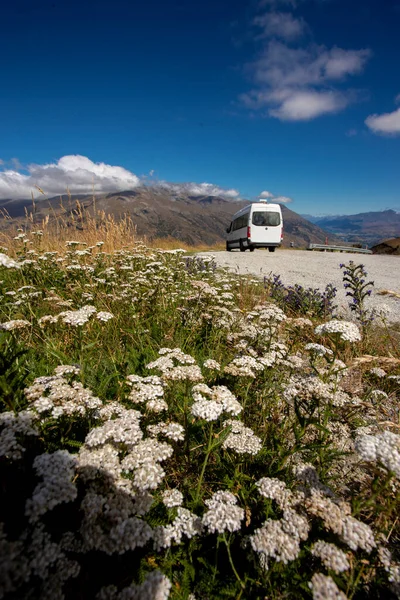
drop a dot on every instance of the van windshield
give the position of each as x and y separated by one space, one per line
269 219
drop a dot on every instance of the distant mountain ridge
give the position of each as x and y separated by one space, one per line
160 211
368 228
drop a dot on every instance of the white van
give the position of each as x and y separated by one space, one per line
258 225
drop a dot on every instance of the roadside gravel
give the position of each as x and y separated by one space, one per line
317 269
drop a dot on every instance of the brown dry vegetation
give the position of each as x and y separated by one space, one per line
86 227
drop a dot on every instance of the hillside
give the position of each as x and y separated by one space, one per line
368 228
158 211
391 246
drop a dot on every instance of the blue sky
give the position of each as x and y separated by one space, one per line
299 98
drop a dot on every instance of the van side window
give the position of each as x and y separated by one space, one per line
240 222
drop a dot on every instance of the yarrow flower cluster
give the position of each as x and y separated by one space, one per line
172 431
185 370
318 350
241 439
185 524
223 514
57 472
172 498
55 397
383 448
280 539
7 262
148 390
15 426
244 366
332 557
14 324
77 318
211 364
324 588
210 403
155 587
345 330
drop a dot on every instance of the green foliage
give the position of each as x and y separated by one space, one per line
298 403
14 372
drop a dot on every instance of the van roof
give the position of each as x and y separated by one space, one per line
257 205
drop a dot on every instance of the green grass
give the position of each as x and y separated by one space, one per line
303 409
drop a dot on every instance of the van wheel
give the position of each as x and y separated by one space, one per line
242 248
271 248
228 248
252 248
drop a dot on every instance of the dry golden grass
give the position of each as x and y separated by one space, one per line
86 227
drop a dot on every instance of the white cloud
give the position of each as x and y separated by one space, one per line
201 189
296 83
282 200
283 25
278 199
74 172
385 124
305 105
282 67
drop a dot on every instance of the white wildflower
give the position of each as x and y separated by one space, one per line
156 587
145 452
172 498
12 427
43 405
275 489
148 476
184 373
378 372
185 524
244 366
57 471
14 324
93 462
104 316
63 370
77 318
7 262
157 405
210 403
377 395
357 534
272 541
124 430
223 514
347 331
332 557
318 349
211 364
241 439
324 588
172 431
383 448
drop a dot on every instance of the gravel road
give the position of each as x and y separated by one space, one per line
317 269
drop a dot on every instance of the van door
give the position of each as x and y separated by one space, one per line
266 227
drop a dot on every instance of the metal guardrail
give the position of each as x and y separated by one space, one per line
327 247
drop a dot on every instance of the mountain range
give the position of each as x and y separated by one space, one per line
368 228
161 212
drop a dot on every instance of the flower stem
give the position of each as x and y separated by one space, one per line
208 452
231 562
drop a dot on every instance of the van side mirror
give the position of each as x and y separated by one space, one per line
228 229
